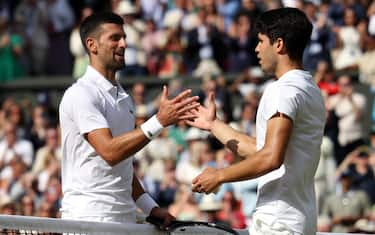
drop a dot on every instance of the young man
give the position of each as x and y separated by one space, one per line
98 136
289 130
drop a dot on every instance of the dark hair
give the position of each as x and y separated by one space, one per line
289 24
92 23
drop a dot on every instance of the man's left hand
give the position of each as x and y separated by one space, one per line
164 215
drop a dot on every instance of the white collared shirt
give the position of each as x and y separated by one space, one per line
287 194
91 187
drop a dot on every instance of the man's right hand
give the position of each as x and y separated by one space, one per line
205 115
179 108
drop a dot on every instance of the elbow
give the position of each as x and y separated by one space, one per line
274 162
274 165
109 157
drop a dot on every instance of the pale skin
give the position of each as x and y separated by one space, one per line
106 49
273 59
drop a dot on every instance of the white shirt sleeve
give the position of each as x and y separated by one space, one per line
283 100
88 112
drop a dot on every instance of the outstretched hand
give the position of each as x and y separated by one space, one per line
207 182
205 116
176 109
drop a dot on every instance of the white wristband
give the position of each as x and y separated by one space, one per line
146 203
152 127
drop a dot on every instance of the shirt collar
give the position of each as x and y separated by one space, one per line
116 91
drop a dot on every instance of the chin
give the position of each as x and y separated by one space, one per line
119 66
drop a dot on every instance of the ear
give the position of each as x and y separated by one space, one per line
91 44
280 46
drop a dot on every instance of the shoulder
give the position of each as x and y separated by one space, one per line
81 90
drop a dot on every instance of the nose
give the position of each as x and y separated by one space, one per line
122 43
257 48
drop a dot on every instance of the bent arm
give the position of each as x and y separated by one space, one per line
267 159
238 142
137 189
116 149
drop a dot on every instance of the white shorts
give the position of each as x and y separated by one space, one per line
260 226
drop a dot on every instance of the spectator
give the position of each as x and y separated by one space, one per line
325 77
135 58
168 185
210 207
171 61
361 172
345 208
37 132
250 8
60 23
349 106
348 38
11 47
151 42
81 59
50 151
185 207
7 206
27 206
242 45
33 19
231 211
12 146
322 39
325 178
47 209
204 42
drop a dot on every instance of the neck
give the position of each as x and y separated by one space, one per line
285 66
109 74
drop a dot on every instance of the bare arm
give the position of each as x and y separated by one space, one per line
137 189
238 142
256 163
115 149
267 159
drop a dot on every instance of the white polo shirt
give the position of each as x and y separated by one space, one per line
286 195
92 188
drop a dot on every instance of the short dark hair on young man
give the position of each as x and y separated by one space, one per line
92 23
289 24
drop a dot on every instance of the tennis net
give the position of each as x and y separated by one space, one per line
27 225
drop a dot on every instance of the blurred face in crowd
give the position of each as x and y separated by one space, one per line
10 132
349 17
345 86
14 114
27 206
39 119
52 138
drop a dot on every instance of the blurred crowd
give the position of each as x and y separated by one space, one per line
204 39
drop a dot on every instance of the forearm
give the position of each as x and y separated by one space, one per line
257 165
137 189
239 143
124 146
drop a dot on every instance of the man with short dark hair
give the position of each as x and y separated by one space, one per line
289 130
98 137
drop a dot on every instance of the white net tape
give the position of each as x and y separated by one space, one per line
27 225
35 225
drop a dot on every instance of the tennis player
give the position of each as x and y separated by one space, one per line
98 135
289 131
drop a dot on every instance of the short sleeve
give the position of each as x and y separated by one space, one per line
283 99
88 112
